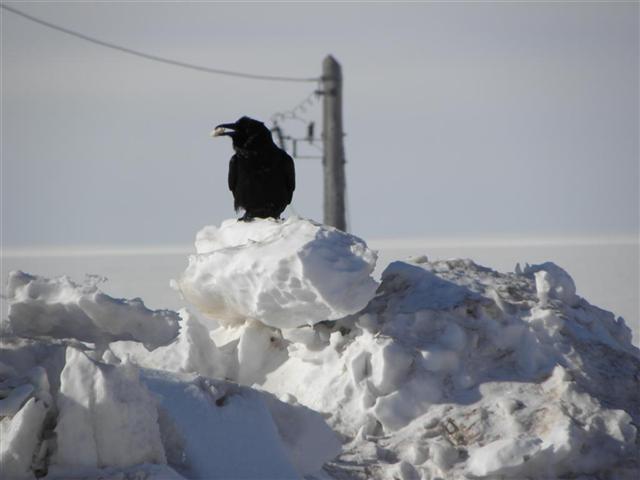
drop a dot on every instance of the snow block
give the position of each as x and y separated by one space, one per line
192 351
19 439
106 416
59 308
234 432
553 282
283 274
308 439
390 364
422 289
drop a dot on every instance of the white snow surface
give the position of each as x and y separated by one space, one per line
60 308
193 351
449 370
283 274
75 401
20 434
105 416
457 371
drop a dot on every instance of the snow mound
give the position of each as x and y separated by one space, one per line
447 370
60 308
283 274
454 370
71 409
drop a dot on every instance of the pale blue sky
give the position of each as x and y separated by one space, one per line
462 119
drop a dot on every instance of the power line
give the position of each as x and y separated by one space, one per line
148 56
302 106
292 114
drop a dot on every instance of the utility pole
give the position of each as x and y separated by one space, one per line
332 135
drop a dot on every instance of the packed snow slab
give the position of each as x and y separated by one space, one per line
80 414
283 274
70 409
113 420
106 417
454 370
193 351
60 308
20 434
218 429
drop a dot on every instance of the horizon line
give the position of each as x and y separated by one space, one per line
496 241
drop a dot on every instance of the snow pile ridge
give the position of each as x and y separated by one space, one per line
446 369
60 308
454 370
283 274
74 404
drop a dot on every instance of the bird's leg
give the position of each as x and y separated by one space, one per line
246 217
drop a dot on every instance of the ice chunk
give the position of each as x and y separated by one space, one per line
192 351
10 405
259 351
309 440
20 436
107 418
553 282
390 364
237 432
59 308
423 290
283 274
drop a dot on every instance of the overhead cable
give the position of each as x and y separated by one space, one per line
178 63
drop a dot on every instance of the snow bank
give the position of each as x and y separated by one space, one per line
452 369
72 409
283 274
458 371
60 308
447 370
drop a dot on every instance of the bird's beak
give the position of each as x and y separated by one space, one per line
223 129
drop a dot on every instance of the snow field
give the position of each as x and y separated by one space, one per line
446 370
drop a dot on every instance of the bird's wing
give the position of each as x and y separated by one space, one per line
233 173
290 172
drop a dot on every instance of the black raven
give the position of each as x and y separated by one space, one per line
261 176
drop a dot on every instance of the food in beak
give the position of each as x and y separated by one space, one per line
218 131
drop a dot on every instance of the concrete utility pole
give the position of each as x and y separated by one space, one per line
333 161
